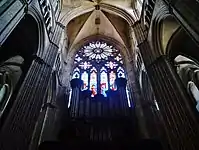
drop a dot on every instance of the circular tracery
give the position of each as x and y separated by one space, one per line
97 50
98 64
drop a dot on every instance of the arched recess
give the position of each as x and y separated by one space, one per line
16 57
72 52
163 28
170 38
182 43
173 41
183 51
67 16
168 27
116 25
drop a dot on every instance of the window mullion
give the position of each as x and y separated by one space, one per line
89 78
98 81
108 77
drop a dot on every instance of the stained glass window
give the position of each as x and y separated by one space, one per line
93 81
76 73
103 81
85 65
120 72
98 64
85 80
112 77
111 65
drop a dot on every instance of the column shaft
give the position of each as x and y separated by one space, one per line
179 120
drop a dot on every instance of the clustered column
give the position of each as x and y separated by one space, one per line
179 118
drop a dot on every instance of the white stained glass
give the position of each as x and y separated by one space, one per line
111 65
112 77
78 59
93 83
118 58
85 80
103 83
85 65
98 50
120 72
76 75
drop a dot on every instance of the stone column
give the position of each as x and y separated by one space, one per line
76 85
121 87
17 130
179 118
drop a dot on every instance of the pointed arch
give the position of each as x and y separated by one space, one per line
99 65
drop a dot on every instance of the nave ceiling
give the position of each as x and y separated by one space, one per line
97 22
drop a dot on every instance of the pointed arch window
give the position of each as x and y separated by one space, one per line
93 81
98 64
85 80
76 73
103 81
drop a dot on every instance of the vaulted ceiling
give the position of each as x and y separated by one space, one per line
77 3
98 22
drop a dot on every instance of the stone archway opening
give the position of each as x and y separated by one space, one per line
16 57
183 52
168 27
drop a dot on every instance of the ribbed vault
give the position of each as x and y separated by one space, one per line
82 19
